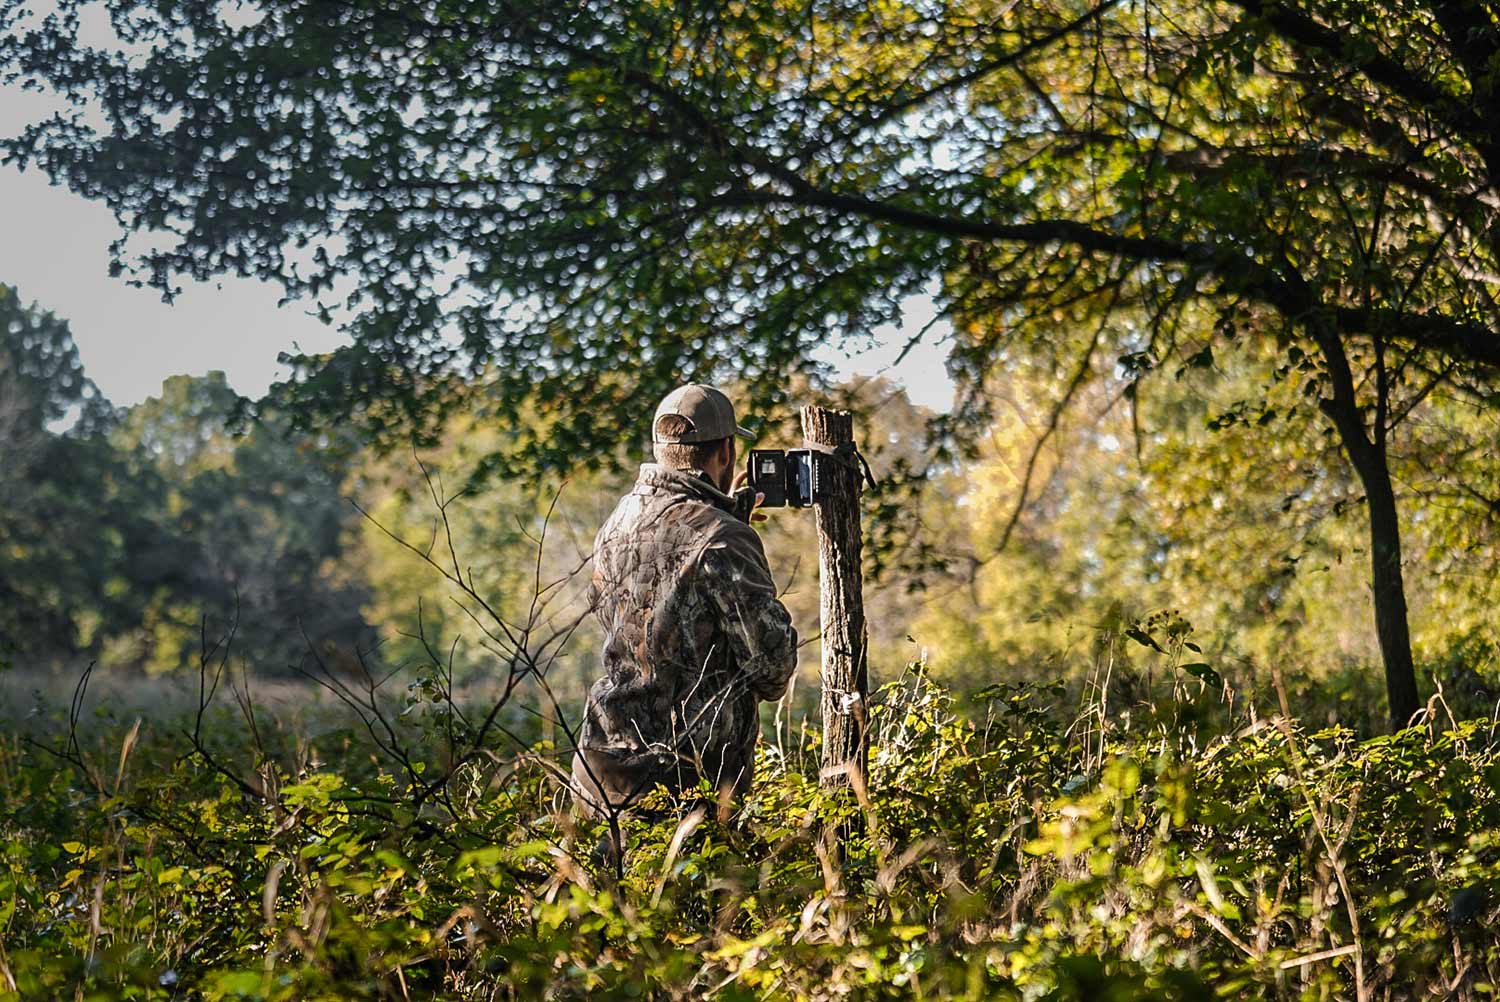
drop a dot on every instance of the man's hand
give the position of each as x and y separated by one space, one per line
740 492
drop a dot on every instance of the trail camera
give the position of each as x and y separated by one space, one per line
793 478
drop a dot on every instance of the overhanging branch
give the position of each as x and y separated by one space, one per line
1237 271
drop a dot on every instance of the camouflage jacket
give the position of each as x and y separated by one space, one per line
694 638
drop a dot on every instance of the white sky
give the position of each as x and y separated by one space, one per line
55 251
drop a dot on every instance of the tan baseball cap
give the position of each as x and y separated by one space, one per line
709 413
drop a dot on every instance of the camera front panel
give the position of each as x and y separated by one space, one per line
769 475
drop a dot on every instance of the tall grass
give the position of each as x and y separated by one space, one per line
1131 834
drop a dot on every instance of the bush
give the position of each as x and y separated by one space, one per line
1003 849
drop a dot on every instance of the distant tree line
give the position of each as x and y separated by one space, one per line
122 528
136 535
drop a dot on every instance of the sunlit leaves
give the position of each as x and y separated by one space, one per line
1012 849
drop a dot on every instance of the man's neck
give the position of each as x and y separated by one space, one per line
707 478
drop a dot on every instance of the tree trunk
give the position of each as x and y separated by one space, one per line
1390 594
841 605
1369 460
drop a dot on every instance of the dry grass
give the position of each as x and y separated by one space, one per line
38 700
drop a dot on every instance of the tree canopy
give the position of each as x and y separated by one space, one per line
545 191
570 207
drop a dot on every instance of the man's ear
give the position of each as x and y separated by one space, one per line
726 452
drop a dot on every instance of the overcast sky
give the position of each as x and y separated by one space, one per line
55 252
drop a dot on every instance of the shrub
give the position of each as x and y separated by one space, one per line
1002 849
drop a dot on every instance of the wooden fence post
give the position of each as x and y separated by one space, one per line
841 605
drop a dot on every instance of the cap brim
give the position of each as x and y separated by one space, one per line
743 432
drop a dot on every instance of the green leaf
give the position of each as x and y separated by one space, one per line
1143 638
1204 673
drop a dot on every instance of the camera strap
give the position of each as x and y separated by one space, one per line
847 454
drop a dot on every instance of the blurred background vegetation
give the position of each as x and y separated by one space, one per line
130 531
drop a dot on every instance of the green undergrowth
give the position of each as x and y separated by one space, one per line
1001 849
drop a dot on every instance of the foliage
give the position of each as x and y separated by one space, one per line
1164 845
1246 240
518 542
73 516
252 525
130 527
123 529
179 513
691 187
568 208
1212 496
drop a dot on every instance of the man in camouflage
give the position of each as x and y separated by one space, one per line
694 635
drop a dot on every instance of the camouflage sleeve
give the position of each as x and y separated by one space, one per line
760 630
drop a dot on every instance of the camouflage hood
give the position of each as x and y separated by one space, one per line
694 637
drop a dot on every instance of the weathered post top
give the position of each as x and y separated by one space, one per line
841 604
